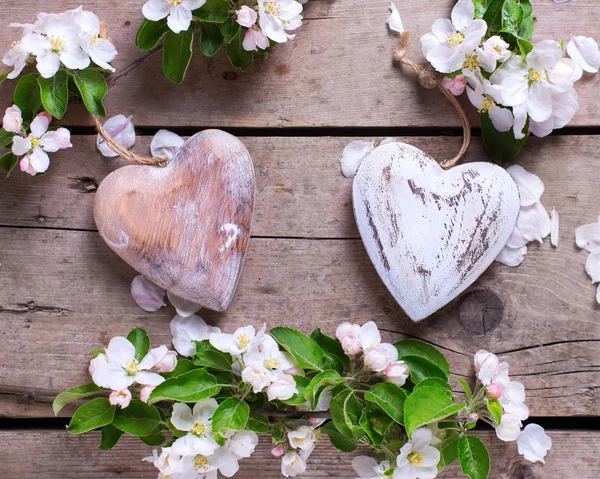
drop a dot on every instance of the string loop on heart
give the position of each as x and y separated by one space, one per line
124 152
430 79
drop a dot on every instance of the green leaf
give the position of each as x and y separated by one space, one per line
211 39
480 7
337 439
209 356
92 87
319 383
231 415
426 405
216 11
436 383
474 457
6 138
502 147
73 394
188 387
465 387
493 15
346 409
138 419
258 423
110 437
8 162
239 57
330 346
150 33
495 408
307 353
230 29
512 16
302 383
375 423
91 415
156 439
390 398
183 366
525 46
28 98
140 340
4 76
448 449
414 348
177 54
55 93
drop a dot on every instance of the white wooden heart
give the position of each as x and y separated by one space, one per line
431 233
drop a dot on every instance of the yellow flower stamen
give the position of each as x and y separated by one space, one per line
174 2
56 44
498 49
455 39
132 367
243 339
471 62
272 363
535 76
318 436
201 463
272 8
198 429
487 104
415 458
35 142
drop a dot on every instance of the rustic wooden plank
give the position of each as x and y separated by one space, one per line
338 72
300 191
31 454
64 293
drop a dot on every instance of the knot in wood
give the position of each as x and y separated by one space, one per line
428 79
521 470
480 311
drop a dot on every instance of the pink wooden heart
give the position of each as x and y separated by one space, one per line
430 233
186 226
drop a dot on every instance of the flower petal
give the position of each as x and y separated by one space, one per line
516 240
120 128
120 351
39 160
394 21
512 256
183 307
48 64
147 378
502 118
56 140
592 266
187 330
155 10
531 187
165 143
21 145
554 227
353 155
533 222
40 124
533 443
584 51
179 19
146 294
364 466
462 14
588 237
181 417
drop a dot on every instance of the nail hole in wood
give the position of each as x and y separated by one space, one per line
480 311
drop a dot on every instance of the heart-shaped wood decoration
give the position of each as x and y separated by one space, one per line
431 233
186 226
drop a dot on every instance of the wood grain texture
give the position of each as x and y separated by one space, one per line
51 454
186 226
328 76
65 293
429 232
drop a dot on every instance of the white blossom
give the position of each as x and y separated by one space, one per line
378 358
418 459
394 21
487 366
239 342
165 143
119 128
584 52
187 330
509 428
302 437
120 398
146 294
17 56
167 463
293 463
197 422
396 372
277 17
258 377
283 387
481 95
12 121
368 468
178 13
239 446
255 39
533 443
183 307
347 335
100 50
246 16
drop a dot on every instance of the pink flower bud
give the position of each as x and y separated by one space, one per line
145 393
246 16
494 391
277 451
456 86
167 363
120 398
351 345
12 120
396 373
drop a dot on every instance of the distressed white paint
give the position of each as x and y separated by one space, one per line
431 233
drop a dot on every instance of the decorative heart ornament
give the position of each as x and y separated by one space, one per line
431 233
186 226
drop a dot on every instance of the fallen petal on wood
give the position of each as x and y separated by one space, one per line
186 227
431 233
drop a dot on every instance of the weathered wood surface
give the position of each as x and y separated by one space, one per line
299 189
430 232
65 293
24 454
328 76
186 226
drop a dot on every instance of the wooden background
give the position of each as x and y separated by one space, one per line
64 293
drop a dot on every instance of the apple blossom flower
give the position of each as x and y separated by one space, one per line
246 16
533 443
196 466
145 393
119 128
293 464
146 294
509 428
418 458
165 143
179 13
197 422
258 377
368 468
481 94
302 437
394 21
497 49
239 342
167 463
16 56
187 330
120 398
493 391
277 450
39 143
584 51
347 330
239 446
455 85
165 361
55 40
283 387
378 358
276 17
397 372
96 362
353 154
486 365
255 39
183 307
266 354
369 336
12 120
449 43
121 369
100 50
